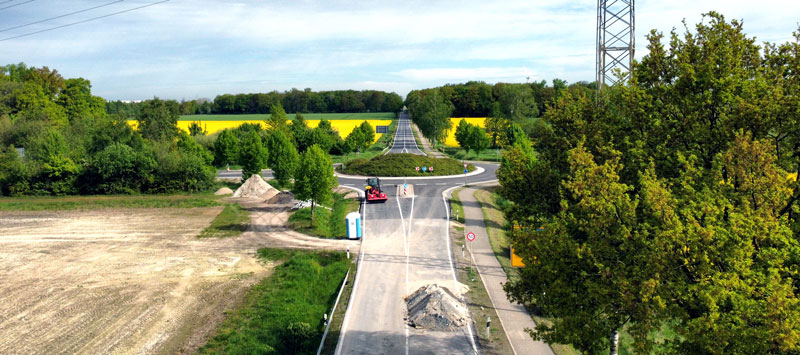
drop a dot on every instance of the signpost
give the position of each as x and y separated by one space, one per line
417 168
424 169
470 237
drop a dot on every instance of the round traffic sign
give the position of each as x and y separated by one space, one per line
417 168
465 165
470 236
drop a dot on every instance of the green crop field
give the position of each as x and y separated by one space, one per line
308 116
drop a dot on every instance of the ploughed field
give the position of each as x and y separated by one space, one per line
117 280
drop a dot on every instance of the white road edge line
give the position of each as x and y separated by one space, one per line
358 271
405 249
450 256
408 251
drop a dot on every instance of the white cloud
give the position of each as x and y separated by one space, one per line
207 47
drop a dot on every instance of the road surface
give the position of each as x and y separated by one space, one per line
404 138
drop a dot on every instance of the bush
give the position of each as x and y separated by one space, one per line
404 165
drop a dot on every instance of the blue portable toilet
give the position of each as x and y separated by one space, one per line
353 220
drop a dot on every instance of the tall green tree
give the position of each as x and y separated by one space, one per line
431 111
158 119
277 118
369 134
283 157
314 177
226 148
252 155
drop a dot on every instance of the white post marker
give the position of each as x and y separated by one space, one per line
348 252
488 327
471 237
465 174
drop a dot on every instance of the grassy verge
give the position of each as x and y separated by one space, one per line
232 221
478 301
495 220
308 116
283 313
404 165
329 348
328 223
485 155
375 149
59 203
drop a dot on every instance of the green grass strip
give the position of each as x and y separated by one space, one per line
327 223
282 314
61 203
232 221
404 165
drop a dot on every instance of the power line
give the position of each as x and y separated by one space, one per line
8 7
3 2
84 21
53 18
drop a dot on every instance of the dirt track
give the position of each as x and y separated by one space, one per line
128 280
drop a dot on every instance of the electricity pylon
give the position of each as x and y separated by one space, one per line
615 39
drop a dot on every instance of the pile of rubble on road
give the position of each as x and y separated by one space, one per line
255 186
436 308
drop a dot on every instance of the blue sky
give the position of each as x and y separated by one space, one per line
185 49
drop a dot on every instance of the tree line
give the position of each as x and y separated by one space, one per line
503 104
293 101
669 201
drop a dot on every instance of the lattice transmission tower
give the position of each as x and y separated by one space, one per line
615 39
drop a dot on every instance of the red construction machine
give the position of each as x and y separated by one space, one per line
373 191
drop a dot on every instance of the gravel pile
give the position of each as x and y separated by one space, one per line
255 186
281 198
223 191
436 308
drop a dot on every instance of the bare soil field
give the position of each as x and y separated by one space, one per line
128 280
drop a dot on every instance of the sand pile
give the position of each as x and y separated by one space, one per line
223 191
255 186
436 308
281 198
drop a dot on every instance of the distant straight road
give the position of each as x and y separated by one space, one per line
404 138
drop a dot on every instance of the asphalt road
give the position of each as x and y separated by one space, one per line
404 138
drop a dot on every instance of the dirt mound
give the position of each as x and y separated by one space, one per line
269 194
281 198
255 186
436 308
223 191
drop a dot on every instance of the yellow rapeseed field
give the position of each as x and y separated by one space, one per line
451 136
343 126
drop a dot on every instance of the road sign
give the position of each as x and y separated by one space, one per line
465 165
470 236
465 171
417 168
424 169
431 169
